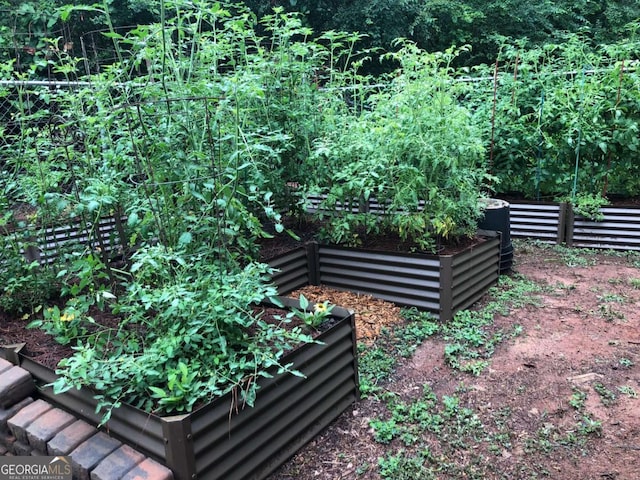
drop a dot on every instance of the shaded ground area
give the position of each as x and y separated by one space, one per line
558 399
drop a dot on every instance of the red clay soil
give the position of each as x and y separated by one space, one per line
583 338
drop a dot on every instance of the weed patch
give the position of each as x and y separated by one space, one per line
471 337
377 362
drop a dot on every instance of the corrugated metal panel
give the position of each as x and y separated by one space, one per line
314 202
619 230
474 272
48 244
56 240
413 280
289 411
373 205
544 222
293 270
405 279
134 427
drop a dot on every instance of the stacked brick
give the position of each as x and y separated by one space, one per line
31 426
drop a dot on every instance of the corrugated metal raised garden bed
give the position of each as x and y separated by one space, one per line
441 284
617 229
223 439
542 221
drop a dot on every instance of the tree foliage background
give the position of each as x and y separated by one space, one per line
31 31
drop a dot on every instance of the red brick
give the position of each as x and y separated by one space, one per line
90 453
149 470
25 417
45 427
15 384
69 438
117 464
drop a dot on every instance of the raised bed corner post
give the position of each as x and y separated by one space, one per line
565 221
446 288
313 262
571 220
178 442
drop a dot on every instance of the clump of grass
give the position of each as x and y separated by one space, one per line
470 336
377 362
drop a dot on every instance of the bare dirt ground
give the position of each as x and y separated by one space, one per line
557 401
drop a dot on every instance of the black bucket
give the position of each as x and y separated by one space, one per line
496 217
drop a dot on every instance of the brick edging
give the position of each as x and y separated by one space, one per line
31 426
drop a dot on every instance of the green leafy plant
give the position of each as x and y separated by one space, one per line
578 398
415 151
314 317
188 143
628 390
589 205
404 466
626 362
589 426
26 286
26 283
378 361
607 396
67 326
561 124
408 423
183 339
470 338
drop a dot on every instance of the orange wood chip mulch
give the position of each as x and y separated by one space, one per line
372 314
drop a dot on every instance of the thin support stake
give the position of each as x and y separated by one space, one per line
575 173
540 146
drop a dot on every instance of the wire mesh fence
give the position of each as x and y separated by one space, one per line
30 107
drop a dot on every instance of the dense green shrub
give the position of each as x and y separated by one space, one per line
191 137
565 119
415 149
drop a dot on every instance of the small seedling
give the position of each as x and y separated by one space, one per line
609 313
568 287
313 318
628 390
626 362
611 298
589 426
576 257
607 397
577 399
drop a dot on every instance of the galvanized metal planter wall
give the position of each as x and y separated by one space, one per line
222 440
45 245
619 229
545 222
441 284
296 268
557 223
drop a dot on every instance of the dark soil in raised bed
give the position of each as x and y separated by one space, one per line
306 230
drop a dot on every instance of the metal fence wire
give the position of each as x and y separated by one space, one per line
26 108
